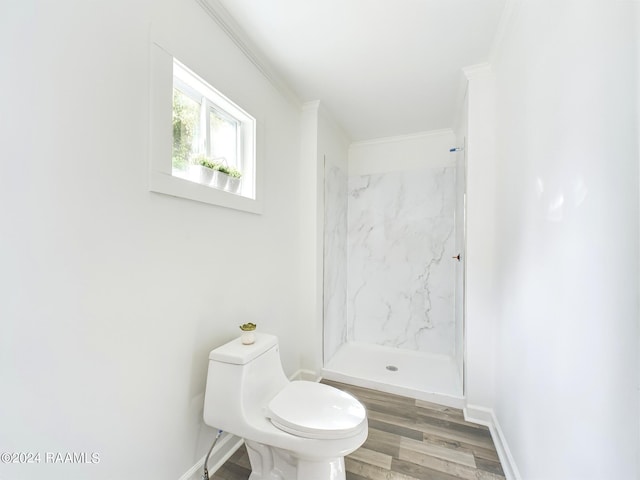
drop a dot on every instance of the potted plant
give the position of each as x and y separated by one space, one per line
233 183
221 176
248 336
206 167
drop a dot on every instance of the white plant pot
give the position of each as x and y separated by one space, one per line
220 179
248 337
205 175
233 184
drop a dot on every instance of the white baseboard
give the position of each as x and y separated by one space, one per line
486 416
226 446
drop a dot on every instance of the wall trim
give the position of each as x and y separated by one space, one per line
232 29
401 138
487 417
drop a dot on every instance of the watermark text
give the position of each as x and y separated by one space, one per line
50 457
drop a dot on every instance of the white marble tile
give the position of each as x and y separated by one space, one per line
401 277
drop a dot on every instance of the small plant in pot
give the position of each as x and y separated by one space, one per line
248 336
207 168
233 184
221 176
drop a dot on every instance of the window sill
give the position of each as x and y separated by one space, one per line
178 187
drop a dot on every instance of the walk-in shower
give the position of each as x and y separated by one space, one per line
393 281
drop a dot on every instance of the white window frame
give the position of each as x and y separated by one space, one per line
192 85
161 179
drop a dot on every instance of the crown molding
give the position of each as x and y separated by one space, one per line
402 138
232 29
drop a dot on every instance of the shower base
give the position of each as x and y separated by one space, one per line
424 376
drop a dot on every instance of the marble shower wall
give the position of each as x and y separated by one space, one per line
400 274
335 260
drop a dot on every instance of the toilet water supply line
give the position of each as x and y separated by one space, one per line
205 473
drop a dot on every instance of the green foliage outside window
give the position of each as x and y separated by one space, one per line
186 114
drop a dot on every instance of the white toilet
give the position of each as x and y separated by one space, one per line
293 430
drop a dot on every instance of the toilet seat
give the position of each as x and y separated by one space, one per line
315 410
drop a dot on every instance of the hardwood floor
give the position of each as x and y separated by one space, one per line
408 440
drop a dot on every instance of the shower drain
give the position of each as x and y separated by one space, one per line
392 368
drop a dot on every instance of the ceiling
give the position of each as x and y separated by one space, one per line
380 67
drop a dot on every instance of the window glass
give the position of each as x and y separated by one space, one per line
213 138
186 129
223 134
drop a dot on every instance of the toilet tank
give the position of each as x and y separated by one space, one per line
241 380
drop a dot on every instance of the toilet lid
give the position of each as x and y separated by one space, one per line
315 410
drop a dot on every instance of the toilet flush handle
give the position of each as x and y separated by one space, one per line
457 257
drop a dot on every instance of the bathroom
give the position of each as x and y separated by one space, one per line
114 295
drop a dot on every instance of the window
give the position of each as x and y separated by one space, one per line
203 145
213 139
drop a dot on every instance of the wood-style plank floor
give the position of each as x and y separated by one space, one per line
408 440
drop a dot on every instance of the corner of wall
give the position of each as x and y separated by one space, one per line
480 236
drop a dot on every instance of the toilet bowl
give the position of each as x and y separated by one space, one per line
293 430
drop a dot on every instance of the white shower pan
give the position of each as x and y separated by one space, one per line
424 376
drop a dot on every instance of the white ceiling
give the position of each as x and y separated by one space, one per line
380 67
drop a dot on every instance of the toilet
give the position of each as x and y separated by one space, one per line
292 430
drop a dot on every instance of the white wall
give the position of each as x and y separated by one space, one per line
567 238
112 296
480 237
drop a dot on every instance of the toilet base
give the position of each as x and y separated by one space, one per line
270 463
